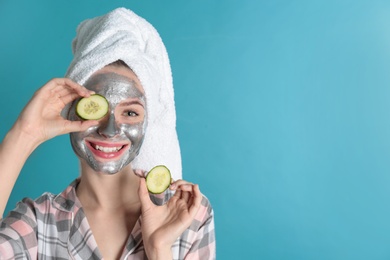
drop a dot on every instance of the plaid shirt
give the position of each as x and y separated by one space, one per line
55 227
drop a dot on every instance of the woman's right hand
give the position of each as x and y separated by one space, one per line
39 121
41 118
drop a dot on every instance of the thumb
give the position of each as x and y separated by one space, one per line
143 195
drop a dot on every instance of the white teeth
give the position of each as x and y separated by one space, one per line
108 149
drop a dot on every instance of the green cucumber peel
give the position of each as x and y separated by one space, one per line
93 107
158 179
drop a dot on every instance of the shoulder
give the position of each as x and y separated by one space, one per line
207 204
27 209
198 241
204 216
206 210
19 229
46 206
41 205
206 207
42 201
49 203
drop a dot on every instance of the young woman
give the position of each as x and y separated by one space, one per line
107 212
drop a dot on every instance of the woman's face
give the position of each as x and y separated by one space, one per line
117 139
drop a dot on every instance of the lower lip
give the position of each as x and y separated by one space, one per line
104 155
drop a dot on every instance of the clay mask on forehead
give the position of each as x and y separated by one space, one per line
113 143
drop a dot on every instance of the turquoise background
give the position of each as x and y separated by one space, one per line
283 114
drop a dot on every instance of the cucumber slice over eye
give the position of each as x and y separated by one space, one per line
93 107
158 179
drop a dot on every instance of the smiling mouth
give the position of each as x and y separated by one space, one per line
105 149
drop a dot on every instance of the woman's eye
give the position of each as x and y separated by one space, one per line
131 113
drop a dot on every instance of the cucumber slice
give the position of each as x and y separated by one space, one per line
158 179
93 107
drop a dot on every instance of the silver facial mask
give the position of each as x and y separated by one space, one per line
115 88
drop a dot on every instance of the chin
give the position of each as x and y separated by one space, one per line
109 168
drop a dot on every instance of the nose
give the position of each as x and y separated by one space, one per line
109 127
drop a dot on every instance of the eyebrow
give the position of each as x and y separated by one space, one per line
133 102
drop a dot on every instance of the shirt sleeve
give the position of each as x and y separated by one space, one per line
202 232
18 239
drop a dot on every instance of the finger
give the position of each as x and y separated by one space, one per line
174 185
185 195
58 84
190 201
64 89
82 91
63 92
139 173
143 194
69 98
186 187
197 199
177 194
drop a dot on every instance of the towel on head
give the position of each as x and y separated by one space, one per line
123 35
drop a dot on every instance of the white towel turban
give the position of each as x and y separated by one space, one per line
123 35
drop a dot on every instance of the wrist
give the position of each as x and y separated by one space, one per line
19 137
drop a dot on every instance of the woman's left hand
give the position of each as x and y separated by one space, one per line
162 225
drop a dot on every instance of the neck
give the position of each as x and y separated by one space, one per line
108 192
